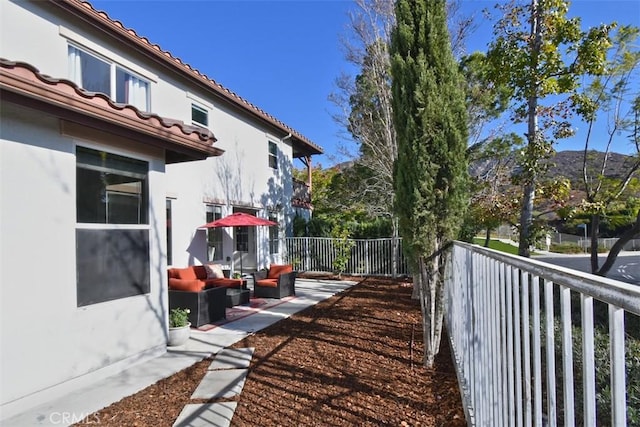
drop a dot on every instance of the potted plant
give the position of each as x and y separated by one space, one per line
179 326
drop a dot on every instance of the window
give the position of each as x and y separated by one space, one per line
98 75
274 241
112 261
199 116
273 155
169 235
214 235
111 189
242 239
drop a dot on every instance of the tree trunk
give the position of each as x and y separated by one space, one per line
526 220
526 214
617 247
432 302
394 247
595 230
487 238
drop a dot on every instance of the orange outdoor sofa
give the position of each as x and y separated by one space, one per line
205 296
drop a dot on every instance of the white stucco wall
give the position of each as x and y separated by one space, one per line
45 338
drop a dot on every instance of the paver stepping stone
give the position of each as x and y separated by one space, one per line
206 414
218 384
230 358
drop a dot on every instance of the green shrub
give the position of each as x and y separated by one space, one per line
572 248
179 317
566 248
299 226
602 374
343 245
319 227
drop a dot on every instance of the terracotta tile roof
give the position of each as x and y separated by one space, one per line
23 83
299 203
86 11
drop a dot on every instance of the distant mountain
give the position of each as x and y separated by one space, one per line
569 164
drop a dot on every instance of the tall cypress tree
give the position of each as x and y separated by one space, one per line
430 174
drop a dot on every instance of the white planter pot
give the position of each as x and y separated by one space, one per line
179 335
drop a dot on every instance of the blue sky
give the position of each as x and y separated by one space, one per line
284 56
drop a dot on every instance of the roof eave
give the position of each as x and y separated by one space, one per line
22 84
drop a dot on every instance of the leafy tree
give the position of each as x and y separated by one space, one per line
364 102
614 95
430 174
485 101
540 54
493 201
332 200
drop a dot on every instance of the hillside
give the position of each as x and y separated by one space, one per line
566 164
569 164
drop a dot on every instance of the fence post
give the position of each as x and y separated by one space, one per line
366 257
394 257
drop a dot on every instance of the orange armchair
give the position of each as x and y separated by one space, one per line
277 282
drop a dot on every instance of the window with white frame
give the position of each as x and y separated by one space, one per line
96 74
274 241
214 235
199 115
273 155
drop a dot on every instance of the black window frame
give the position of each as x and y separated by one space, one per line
112 257
273 155
274 238
202 110
214 234
169 209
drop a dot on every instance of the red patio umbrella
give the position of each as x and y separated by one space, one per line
239 219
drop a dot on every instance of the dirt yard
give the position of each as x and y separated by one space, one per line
353 359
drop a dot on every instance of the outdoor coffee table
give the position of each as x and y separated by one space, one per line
237 296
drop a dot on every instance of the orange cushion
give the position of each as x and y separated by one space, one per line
269 283
276 270
186 285
173 273
185 273
227 283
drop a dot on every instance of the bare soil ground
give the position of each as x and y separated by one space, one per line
353 359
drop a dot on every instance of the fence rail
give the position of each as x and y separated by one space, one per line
607 243
376 257
506 232
527 338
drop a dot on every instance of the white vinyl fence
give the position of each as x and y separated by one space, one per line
375 257
539 345
631 245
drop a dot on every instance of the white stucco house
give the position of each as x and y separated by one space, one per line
112 153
